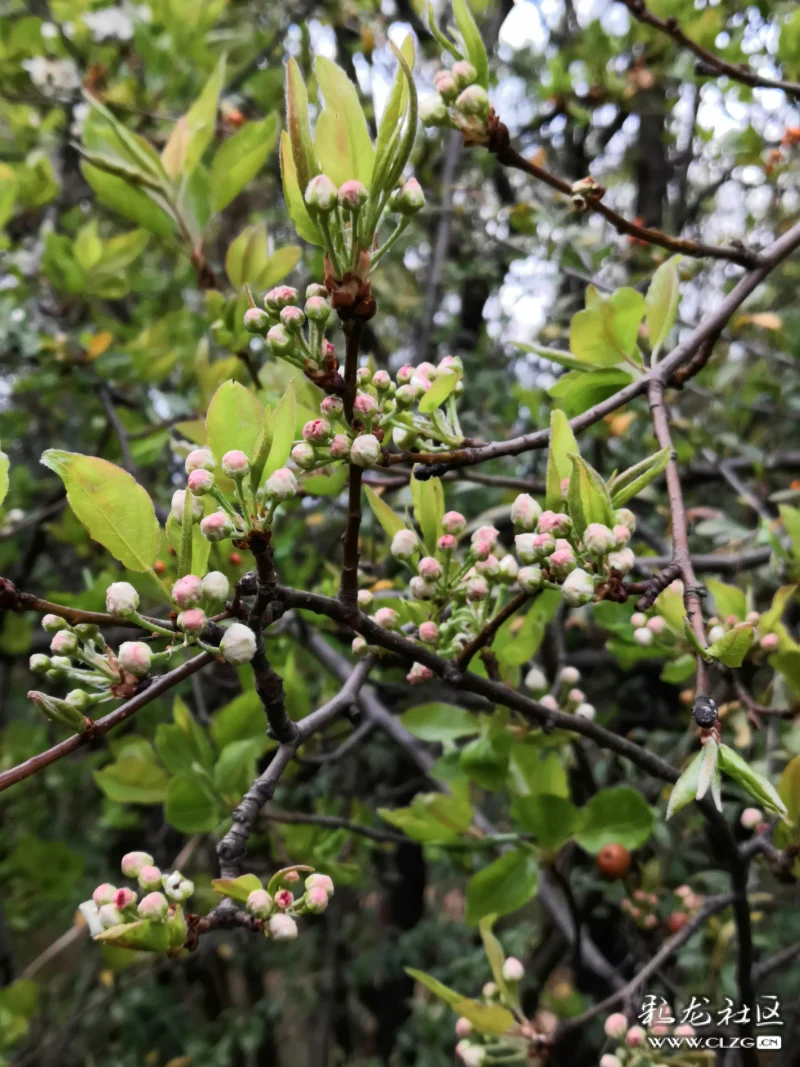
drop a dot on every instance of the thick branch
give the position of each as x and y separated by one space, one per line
348 589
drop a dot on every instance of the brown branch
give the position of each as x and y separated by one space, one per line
348 588
715 63
487 634
267 608
710 561
101 726
696 363
335 822
752 705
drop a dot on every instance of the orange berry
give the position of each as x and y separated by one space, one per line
677 921
159 566
235 559
613 861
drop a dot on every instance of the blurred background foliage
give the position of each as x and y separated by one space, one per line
116 326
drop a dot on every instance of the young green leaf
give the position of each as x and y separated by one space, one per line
661 304
708 767
3 475
728 599
555 355
284 419
615 816
774 612
428 500
503 886
587 496
239 159
486 1018
629 483
391 522
142 935
605 334
342 140
551 819
474 48
733 646
439 392
447 45
293 194
685 789
495 955
137 205
759 787
559 466
279 265
190 806
439 722
297 124
201 119
110 503
237 888
235 420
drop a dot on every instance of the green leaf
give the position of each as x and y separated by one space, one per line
201 546
615 816
494 954
235 769
789 789
439 392
390 521
474 48
419 823
237 888
247 256
201 119
759 787
633 480
531 772
284 418
555 355
396 133
577 391
133 780
198 739
294 196
4 464
235 420
551 819
134 204
242 718
588 497
661 304
110 503
342 140
239 159
279 265
428 500
770 618
606 333
306 166
142 935
678 670
559 466
708 767
791 521
439 722
514 644
685 789
728 599
733 646
486 1018
485 760
189 807
502 887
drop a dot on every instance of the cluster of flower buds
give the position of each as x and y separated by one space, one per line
717 628
252 507
631 1040
651 630
381 406
585 193
278 907
162 896
564 696
295 333
641 907
475 1049
460 103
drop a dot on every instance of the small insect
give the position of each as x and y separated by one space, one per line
705 712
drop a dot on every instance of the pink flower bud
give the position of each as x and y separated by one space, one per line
477 588
598 539
578 588
657 625
562 562
281 484
489 567
352 195
321 194
153 907
525 512
304 455
382 381
549 702
187 591
259 903
365 450
486 533
365 405
201 482
124 898
121 599
616 1025
387 618
216 526
453 522
332 406
474 101
445 85
638 619
280 340
544 546
430 568
282 928
365 598
769 642
404 545
555 523
199 459
284 899
463 1027
133 862
608 1060
192 621
359 646
418 674
513 971
405 374
410 198
293 319
238 644
256 321
280 297
104 894
135 657
635 1037
481 549
149 877
622 561
751 817
318 431
447 543
753 617
235 463
625 517
340 446
64 643
621 535
429 633
464 73
316 900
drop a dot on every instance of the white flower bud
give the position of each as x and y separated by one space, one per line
432 111
530 578
304 455
365 450
359 646
109 916
525 512
598 539
135 657
53 623
578 588
585 711
638 619
643 637
525 545
404 545
507 570
623 560
259 903
387 618
473 101
238 644
365 599
715 633
39 663
569 676
282 928
281 484
178 498
513 971
536 681
121 599
422 590
199 459
215 587
216 526
321 194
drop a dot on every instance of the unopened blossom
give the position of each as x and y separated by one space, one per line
387 618
216 526
536 681
365 598
636 1035
365 450
256 321
323 880
477 588
39 663
317 431
464 73
404 545
453 522
447 543
353 194
410 198
178 504
259 903
463 1027
235 463
544 545
124 898
430 568
507 569
715 633
382 381
109 915
562 562
525 547
149 877
555 523
657 625
530 578
481 549
339 447
446 85
316 900
187 591
280 340
199 459
64 643
200 482
638 619
608 1060
365 405
488 567
419 673
598 539
513 971
623 560
121 599
432 111
284 899
769 642
104 894
293 319
420 589
238 644
625 517
359 647
751 817
621 535
153 907
192 621
643 637
135 657
585 711
429 633
525 512
304 455
53 623
486 533
616 1025
215 586
282 927
321 194
133 862
578 588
